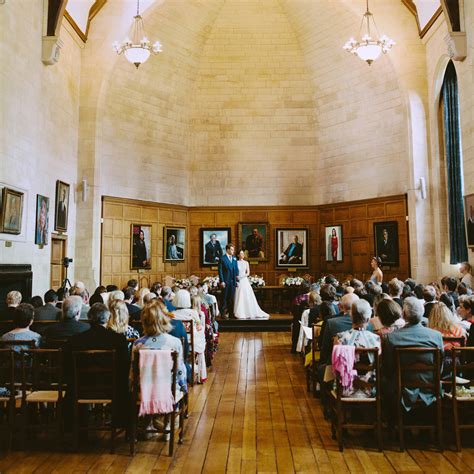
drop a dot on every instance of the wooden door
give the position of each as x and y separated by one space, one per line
58 252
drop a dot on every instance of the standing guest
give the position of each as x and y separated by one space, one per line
395 289
449 285
444 321
97 296
13 299
98 337
118 321
429 295
466 275
69 324
228 273
377 275
466 312
48 312
168 297
133 311
23 317
390 316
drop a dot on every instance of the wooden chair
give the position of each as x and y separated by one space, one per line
8 401
454 341
312 370
6 326
463 366
170 418
54 343
189 326
411 360
94 383
42 389
367 360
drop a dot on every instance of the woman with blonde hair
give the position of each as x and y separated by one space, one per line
200 339
443 320
118 321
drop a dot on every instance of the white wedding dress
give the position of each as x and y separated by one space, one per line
245 303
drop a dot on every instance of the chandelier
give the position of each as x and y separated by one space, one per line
138 49
367 48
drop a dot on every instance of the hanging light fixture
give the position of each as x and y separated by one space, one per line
367 48
138 49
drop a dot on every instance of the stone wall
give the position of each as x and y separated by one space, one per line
39 128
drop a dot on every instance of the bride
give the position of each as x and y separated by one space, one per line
245 303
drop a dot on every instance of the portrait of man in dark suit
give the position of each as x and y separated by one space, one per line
213 242
141 239
292 248
386 242
62 206
213 250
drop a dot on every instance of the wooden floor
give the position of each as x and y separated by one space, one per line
252 415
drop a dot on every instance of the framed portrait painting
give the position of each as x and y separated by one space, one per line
386 242
141 246
12 211
42 220
469 211
253 240
292 248
333 240
174 244
212 243
61 207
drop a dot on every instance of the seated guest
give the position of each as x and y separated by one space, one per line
36 301
412 335
98 337
133 284
448 301
444 321
466 312
418 291
133 311
116 295
118 321
407 291
48 312
139 295
336 325
168 296
429 295
395 289
97 296
156 288
466 275
314 303
462 289
149 297
156 329
69 324
449 285
411 283
23 317
84 295
390 315
108 289
358 286
13 299
371 291
328 294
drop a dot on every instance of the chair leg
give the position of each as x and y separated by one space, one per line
181 425
133 430
172 431
439 424
113 438
378 426
457 433
401 430
340 421
24 425
76 427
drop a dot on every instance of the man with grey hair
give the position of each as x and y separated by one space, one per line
414 334
12 300
98 337
429 295
69 324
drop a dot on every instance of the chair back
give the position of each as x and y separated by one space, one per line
22 344
54 343
136 374
42 369
366 360
5 326
454 341
189 327
463 364
7 372
94 375
418 368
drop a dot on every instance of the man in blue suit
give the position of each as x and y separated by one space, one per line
228 273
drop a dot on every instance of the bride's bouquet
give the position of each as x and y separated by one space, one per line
256 281
293 281
212 282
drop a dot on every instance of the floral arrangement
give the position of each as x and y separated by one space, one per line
183 283
212 281
293 281
256 281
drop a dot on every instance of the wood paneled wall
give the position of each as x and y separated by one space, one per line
357 219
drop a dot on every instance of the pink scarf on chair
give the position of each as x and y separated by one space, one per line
155 382
343 358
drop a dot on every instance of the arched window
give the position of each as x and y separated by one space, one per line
454 177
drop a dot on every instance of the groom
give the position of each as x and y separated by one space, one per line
228 272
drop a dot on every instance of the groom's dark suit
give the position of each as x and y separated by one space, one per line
228 272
